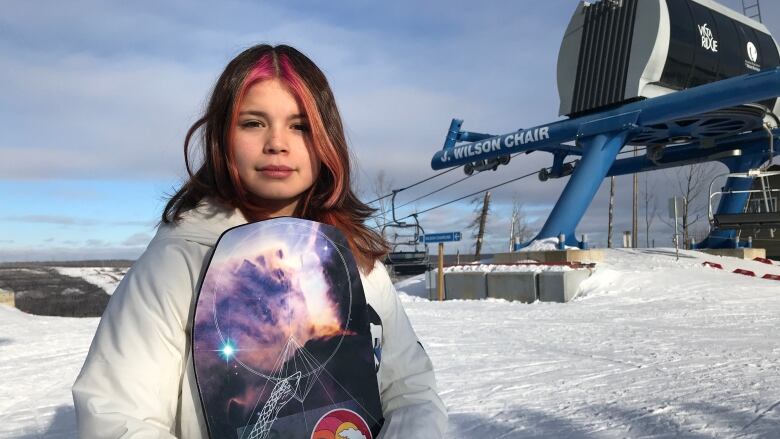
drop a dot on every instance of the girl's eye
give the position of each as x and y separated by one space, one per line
252 124
301 127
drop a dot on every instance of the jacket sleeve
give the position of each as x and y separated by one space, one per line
130 382
410 403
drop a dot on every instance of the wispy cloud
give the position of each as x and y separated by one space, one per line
67 253
50 219
71 221
137 239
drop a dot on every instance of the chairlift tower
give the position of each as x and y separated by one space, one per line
660 75
752 9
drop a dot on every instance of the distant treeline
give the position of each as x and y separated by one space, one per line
37 288
118 263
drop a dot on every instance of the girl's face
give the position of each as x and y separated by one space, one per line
272 148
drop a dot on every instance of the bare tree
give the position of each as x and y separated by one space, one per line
692 183
381 186
478 223
520 229
650 208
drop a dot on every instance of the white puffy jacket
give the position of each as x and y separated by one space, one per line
138 380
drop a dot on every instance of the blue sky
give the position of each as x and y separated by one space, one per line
97 97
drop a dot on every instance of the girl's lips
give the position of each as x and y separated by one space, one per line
276 171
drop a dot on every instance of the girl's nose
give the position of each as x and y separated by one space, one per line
275 143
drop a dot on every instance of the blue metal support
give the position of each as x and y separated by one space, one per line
600 137
557 167
599 146
452 133
730 92
693 153
599 152
468 136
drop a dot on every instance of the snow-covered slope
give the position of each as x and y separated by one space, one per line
653 348
106 278
39 360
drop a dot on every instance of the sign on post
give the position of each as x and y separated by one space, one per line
676 210
440 237
676 206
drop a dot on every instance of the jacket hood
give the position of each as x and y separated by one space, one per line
203 224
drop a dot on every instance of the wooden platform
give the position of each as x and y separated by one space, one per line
7 298
742 253
550 256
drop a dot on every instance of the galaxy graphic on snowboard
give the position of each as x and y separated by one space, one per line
281 338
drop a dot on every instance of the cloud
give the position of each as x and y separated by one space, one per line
97 122
64 220
50 219
137 239
86 240
66 253
118 101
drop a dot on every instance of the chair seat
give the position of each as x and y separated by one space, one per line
747 220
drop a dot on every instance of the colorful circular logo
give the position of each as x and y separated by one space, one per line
341 424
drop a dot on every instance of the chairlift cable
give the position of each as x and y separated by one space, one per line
380 198
426 195
413 185
429 193
474 193
449 185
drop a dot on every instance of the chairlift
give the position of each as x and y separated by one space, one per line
766 215
408 255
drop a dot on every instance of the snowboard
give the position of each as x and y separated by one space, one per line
281 338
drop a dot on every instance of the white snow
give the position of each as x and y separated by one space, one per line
106 278
544 244
652 348
488 268
40 358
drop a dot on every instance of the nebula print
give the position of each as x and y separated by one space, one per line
281 332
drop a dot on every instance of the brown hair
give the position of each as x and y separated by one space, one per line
329 200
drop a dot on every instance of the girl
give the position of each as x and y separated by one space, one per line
272 145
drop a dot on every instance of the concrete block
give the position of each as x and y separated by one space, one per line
514 286
431 280
560 286
465 285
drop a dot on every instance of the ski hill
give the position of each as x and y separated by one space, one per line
653 347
